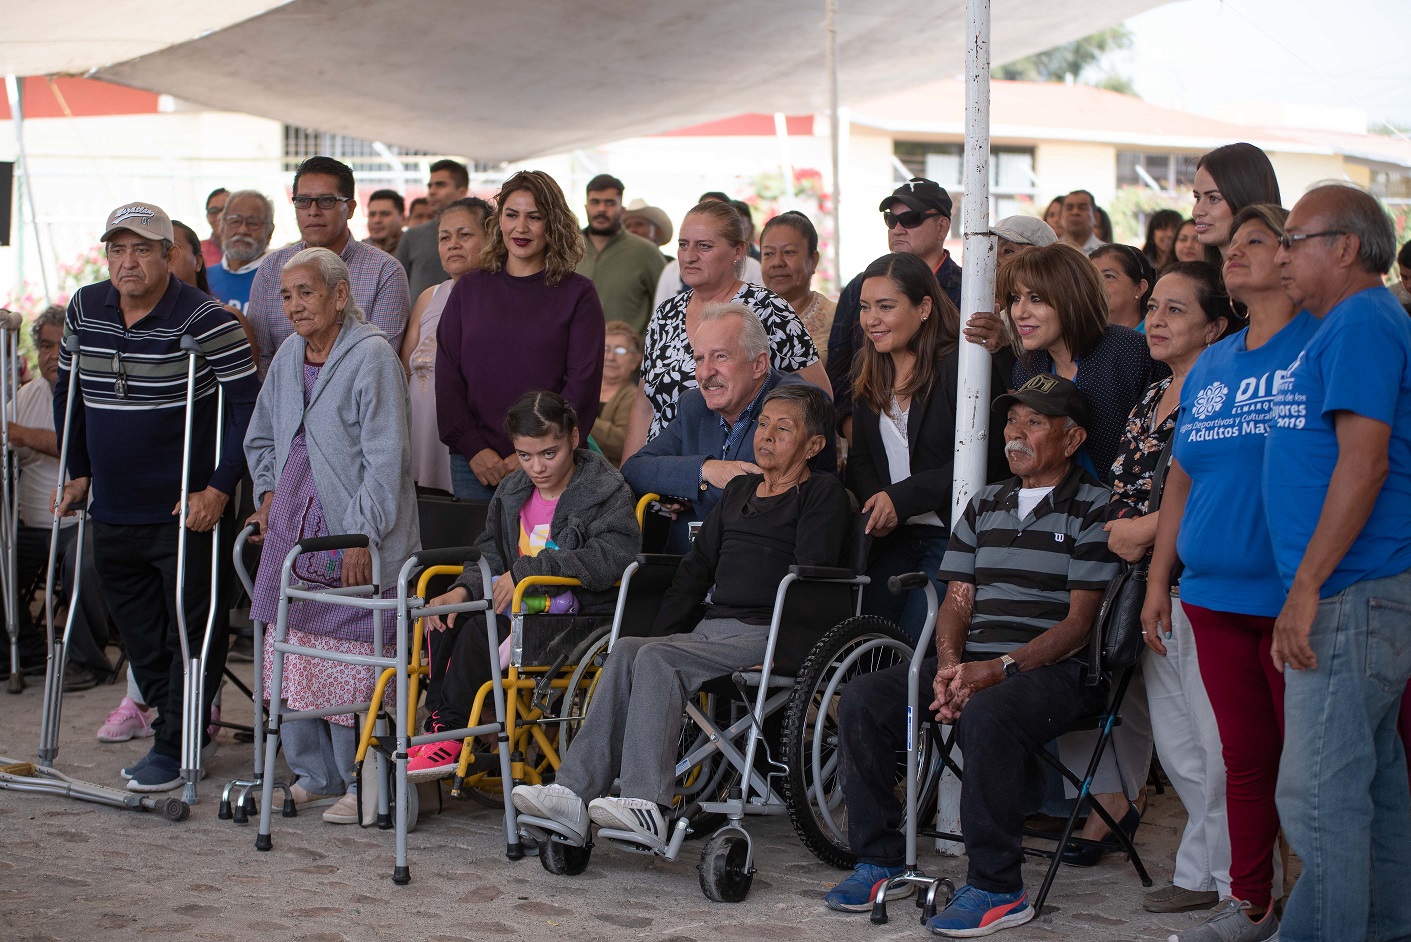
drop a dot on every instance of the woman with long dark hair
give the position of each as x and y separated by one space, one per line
904 399
1160 245
1228 179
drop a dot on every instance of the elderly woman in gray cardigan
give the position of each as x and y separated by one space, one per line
565 512
329 453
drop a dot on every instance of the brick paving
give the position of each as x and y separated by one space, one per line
76 871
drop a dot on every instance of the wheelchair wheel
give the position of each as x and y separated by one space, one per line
812 788
724 872
564 859
588 661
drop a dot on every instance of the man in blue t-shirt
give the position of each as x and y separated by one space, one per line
1337 492
247 227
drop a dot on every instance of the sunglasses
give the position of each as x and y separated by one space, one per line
120 383
907 220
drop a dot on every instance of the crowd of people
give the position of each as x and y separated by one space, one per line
1230 403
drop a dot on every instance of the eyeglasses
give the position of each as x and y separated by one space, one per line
907 220
120 383
618 351
214 210
1289 241
254 222
324 202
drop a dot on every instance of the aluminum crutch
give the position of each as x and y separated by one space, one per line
58 646
10 325
193 665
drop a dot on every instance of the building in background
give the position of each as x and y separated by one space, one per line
93 145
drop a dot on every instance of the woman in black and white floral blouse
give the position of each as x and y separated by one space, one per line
711 249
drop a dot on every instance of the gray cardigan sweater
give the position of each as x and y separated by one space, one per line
355 426
594 526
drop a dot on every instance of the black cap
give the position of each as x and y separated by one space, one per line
1048 394
920 194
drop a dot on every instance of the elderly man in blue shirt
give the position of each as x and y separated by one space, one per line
711 440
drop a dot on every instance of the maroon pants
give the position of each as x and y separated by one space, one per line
1247 694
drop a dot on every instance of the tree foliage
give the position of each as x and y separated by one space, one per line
1080 59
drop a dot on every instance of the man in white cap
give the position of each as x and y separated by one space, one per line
126 440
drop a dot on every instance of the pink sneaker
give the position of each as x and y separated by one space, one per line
128 721
435 760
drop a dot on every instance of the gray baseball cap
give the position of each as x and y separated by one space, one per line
1025 230
144 219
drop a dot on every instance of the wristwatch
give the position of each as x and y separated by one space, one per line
1011 666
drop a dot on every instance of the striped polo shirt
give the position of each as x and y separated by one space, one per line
129 422
1024 568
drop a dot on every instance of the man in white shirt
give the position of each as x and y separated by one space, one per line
37 457
1080 221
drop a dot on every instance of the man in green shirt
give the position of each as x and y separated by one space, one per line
622 266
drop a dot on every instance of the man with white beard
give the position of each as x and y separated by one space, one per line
247 225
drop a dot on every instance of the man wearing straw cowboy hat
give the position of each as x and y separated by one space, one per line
126 440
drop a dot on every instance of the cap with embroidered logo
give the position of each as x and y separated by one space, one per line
1048 394
919 194
144 219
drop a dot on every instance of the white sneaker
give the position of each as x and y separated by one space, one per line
555 802
632 814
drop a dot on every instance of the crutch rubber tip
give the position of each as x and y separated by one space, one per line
514 851
174 809
290 810
401 875
223 812
263 842
16 684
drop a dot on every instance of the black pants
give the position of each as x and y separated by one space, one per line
1000 728
460 664
137 566
90 629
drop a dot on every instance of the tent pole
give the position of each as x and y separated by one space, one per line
12 89
977 294
786 160
834 140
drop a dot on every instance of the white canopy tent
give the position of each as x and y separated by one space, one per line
504 81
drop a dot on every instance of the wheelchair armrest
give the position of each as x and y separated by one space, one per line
517 602
658 559
321 544
449 556
817 573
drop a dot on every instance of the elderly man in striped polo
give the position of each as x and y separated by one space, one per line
126 441
1026 566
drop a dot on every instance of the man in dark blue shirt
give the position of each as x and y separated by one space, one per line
917 216
126 438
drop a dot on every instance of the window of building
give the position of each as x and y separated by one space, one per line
1158 170
1013 186
1392 186
375 165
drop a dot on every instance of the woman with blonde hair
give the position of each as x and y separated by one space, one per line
524 321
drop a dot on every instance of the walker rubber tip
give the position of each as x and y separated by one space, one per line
401 875
224 812
290 810
263 842
16 684
514 851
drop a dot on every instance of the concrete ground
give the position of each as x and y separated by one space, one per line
77 871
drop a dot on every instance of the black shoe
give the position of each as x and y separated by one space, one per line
1089 854
77 677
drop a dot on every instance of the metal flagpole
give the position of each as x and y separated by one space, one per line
977 294
835 140
12 89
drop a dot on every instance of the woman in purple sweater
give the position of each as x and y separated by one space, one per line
524 321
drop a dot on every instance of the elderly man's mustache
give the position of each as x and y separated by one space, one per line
1020 447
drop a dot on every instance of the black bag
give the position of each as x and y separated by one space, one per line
1117 641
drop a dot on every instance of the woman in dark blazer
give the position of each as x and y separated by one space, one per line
904 399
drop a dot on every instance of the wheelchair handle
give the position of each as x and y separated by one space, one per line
907 580
449 556
339 541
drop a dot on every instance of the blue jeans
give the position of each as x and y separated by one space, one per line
909 549
1342 793
464 484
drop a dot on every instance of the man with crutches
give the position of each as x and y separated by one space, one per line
132 432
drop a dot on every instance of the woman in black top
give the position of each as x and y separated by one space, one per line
904 399
1059 309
